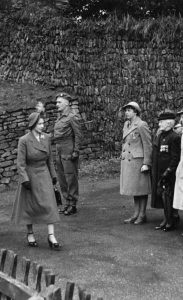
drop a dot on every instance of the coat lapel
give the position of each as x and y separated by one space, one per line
128 129
42 145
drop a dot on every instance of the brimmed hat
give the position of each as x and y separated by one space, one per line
180 112
33 118
133 104
167 115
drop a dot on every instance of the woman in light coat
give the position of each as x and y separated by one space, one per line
136 162
35 201
178 190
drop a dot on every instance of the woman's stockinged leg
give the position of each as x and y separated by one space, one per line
51 233
30 236
142 209
54 245
136 212
143 205
136 206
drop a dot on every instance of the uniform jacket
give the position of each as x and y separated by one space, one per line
136 151
166 154
68 128
35 164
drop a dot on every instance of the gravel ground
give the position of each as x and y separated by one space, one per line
100 253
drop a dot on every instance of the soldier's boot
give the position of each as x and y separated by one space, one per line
71 210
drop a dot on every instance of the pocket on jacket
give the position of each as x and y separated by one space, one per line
137 154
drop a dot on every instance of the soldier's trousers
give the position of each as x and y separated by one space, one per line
67 170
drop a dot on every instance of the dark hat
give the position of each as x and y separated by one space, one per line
133 104
180 112
33 118
167 115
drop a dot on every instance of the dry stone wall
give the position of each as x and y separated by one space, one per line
105 65
14 123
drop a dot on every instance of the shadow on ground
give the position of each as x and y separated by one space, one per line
100 253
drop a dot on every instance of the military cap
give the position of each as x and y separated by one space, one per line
66 96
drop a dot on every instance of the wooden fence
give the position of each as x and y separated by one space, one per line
21 279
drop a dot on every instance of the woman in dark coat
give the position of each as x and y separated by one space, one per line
35 201
166 156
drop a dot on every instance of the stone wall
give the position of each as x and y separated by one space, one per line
13 124
104 64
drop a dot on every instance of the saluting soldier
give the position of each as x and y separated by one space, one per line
67 134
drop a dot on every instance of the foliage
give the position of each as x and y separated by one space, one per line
137 8
9 5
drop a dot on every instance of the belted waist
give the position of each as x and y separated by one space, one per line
59 140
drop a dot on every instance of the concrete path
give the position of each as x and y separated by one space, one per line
100 253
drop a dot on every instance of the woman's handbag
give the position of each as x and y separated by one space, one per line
58 196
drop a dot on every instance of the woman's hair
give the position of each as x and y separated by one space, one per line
135 110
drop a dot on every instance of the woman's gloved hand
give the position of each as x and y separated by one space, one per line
166 174
26 185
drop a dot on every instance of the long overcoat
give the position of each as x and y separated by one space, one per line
35 164
136 151
178 191
166 154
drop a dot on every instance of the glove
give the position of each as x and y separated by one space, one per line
166 174
26 185
54 180
75 155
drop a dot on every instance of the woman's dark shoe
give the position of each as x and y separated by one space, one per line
169 228
140 220
70 211
130 220
53 246
30 242
161 226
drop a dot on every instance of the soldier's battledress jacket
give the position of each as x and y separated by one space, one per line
67 134
68 130
166 154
